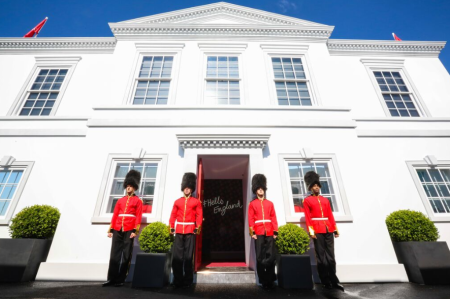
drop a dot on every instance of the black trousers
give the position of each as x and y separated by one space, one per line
326 264
120 259
265 259
183 259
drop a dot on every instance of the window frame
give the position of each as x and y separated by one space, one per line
101 216
341 198
68 63
154 49
413 166
26 167
380 65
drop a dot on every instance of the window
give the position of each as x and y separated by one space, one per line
293 168
299 189
153 81
9 181
13 179
436 185
398 98
290 81
43 93
146 190
151 190
222 80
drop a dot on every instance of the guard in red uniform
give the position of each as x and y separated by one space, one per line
188 213
124 228
264 229
322 228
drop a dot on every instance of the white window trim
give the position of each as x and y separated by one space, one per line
27 167
58 62
343 216
412 165
291 51
154 49
237 50
101 217
394 65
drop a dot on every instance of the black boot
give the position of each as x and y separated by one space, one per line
108 283
338 286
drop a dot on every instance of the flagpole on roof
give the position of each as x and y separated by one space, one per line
41 28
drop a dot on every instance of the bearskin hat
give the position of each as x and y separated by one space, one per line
189 181
312 178
133 178
259 181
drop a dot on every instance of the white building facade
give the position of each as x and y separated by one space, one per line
245 91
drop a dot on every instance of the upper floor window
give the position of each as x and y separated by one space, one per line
436 185
398 98
290 81
222 80
153 81
43 93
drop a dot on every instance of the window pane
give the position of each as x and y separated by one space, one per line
150 170
122 170
423 175
148 188
435 175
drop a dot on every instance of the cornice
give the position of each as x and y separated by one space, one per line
136 31
385 48
223 141
88 45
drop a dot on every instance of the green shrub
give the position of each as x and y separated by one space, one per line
406 225
156 238
292 239
35 222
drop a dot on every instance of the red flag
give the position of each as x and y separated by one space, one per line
395 36
36 29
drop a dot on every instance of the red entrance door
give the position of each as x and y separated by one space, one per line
200 191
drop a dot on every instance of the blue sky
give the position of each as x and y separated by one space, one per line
422 20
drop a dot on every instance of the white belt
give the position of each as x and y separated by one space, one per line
186 223
319 218
258 221
127 215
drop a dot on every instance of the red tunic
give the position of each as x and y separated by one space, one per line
188 212
262 218
127 214
318 215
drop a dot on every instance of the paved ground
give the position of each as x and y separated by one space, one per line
90 290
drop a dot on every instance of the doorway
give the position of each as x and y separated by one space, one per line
225 180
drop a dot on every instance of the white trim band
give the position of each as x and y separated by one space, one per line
258 221
326 218
127 215
186 223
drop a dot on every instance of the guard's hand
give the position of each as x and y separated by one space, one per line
110 235
132 235
172 231
313 236
274 236
254 237
336 235
195 231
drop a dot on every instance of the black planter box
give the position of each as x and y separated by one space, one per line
20 258
294 271
425 262
152 270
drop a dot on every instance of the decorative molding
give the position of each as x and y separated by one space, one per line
237 108
43 132
220 8
7 161
431 160
289 48
404 119
159 46
222 46
383 62
94 45
133 31
42 118
403 133
385 48
223 141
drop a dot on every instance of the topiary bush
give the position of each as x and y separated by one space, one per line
292 239
35 222
156 238
406 225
